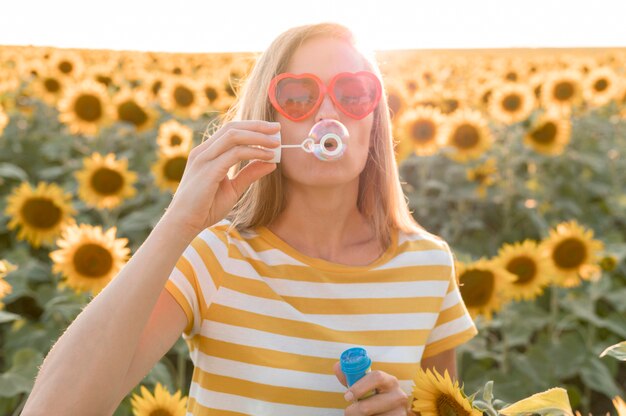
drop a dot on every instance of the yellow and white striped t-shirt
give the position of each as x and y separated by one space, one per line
267 323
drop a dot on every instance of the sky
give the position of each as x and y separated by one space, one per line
250 26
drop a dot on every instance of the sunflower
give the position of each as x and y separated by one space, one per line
561 91
41 213
85 107
104 73
573 253
511 102
151 83
466 136
162 403
421 127
437 395
549 135
552 401
480 283
132 106
4 120
5 287
484 175
103 182
67 64
48 86
88 257
216 95
169 168
183 96
174 135
530 268
397 98
600 86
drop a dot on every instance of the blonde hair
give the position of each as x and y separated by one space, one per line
380 197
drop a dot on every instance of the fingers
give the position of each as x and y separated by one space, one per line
340 375
237 137
236 154
259 126
379 380
394 402
250 173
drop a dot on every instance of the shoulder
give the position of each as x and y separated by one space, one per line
420 239
225 240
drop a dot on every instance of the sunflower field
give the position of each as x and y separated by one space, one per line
517 158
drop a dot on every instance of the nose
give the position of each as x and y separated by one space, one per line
327 110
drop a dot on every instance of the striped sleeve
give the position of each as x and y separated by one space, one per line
454 325
192 283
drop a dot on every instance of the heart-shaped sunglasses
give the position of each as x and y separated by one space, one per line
297 96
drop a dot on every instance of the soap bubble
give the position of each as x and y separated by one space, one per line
327 140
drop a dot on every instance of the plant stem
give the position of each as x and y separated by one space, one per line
505 345
591 332
554 310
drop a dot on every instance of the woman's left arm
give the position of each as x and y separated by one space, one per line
445 360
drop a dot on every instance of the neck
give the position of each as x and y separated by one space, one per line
323 221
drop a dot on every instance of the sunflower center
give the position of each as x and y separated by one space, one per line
160 412
66 67
211 93
563 90
41 213
477 287
51 85
511 103
423 131
569 253
600 85
174 168
92 260
465 136
103 79
88 107
511 76
107 181
447 406
131 112
183 96
175 140
524 267
156 86
449 105
546 133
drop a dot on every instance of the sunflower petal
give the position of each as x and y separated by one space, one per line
550 402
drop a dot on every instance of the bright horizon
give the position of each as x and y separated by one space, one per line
202 26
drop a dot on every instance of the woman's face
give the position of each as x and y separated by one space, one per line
325 57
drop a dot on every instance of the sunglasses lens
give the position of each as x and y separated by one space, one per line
356 95
297 97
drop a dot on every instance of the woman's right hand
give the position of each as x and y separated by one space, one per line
205 193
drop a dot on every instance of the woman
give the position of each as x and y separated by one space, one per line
271 273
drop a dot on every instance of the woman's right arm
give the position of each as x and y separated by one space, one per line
85 368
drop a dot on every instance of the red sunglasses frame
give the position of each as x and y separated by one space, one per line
324 89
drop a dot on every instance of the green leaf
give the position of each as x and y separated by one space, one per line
8 317
13 384
9 170
595 374
488 392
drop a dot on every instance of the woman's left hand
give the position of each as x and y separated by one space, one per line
390 399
